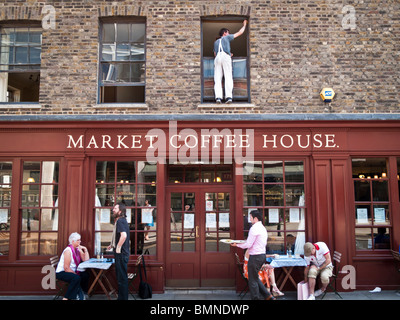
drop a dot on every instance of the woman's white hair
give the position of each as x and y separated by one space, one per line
73 237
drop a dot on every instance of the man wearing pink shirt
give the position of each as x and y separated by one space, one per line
256 243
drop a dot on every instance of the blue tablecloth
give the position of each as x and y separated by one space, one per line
95 263
285 261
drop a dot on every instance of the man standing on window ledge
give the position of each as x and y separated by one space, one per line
223 63
120 244
256 243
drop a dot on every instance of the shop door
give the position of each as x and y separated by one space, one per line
199 218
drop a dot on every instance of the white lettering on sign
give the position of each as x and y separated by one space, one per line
288 141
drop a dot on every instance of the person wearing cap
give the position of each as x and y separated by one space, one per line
318 259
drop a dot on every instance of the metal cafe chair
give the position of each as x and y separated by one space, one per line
132 276
60 285
337 256
240 268
396 257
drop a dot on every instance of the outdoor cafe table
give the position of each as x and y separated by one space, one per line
287 264
99 269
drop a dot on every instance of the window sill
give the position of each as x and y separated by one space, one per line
226 108
20 106
142 106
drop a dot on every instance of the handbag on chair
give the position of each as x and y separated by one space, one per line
145 290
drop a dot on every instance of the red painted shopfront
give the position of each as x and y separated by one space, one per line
331 181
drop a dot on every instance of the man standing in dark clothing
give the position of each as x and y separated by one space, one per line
120 246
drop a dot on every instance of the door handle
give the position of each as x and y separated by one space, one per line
197 231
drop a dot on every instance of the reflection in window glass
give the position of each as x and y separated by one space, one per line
371 195
276 188
39 208
5 204
134 184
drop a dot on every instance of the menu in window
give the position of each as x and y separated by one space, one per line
362 215
379 215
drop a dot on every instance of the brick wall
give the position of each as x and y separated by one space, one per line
296 47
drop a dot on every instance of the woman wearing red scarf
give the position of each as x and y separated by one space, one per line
67 267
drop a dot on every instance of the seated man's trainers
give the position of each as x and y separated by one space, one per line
218 100
229 100
318 292
311 297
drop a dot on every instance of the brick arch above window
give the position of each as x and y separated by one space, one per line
217 10
112 10
15 13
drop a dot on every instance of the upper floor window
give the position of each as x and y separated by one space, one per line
122 62
20 58
211 27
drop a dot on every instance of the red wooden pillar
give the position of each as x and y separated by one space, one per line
74 196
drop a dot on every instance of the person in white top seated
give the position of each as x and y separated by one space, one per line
67 268
318 259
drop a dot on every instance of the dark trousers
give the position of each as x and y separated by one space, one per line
121 271
76 282
256 287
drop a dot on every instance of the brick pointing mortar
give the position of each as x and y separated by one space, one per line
296 47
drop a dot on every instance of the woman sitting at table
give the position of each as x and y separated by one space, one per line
266 274
67 268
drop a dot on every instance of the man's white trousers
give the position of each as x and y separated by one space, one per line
223 67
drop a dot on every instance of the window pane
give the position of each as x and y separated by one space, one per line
369 167
381 238
4 243
49 220
252 171
29 243
363 239
34 55
273 171
21 36
381 214
48 195
252 195
293 194
21 55
294 171
50 172
138 32
109 52
105 195
363 214
122 32
108 32
362 190
273 195
105 171
126 194
48 243
123 52
137 52
380 190
126 172
137 72
147 172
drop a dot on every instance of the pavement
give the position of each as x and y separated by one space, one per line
215 295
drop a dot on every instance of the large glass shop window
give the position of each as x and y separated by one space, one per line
39 208
134 184
372 211
276 188
5 205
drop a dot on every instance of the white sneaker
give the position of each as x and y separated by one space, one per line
311 297
318 292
